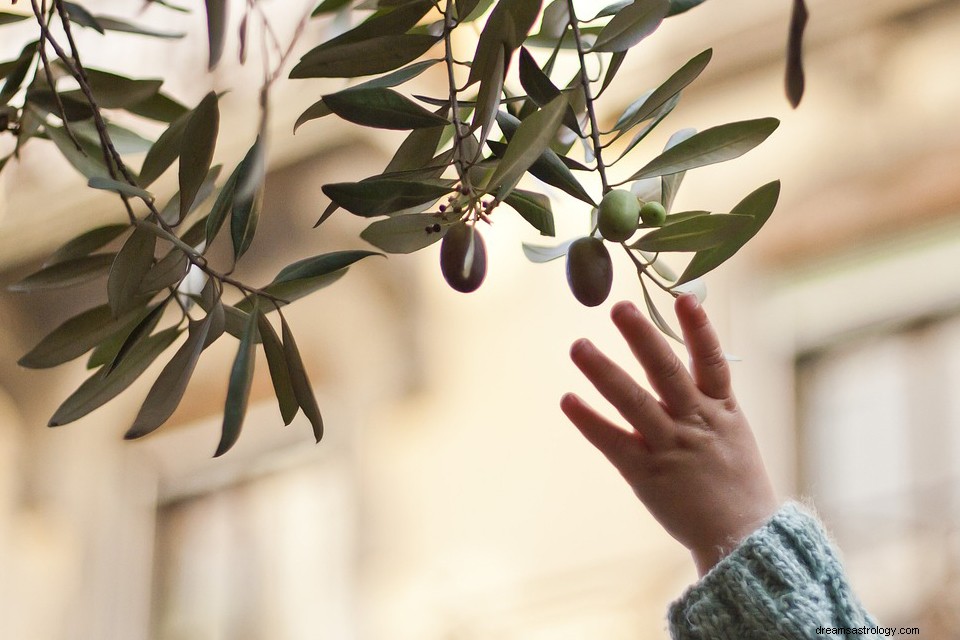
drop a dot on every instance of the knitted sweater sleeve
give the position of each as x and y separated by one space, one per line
784 581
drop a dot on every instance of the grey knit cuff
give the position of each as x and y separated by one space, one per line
782 581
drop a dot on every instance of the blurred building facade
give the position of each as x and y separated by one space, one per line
449 499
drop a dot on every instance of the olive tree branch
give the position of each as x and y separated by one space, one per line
588 98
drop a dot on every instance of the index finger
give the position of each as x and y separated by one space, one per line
708 362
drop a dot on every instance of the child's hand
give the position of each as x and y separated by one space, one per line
689 456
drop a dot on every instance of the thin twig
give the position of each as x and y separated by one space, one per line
588 98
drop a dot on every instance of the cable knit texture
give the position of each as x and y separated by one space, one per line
782 582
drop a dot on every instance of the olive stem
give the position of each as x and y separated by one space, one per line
643 269
588 98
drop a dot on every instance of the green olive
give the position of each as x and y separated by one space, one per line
653 214
589 271
618 215
463 258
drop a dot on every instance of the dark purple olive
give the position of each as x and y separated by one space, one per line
589 271
463 258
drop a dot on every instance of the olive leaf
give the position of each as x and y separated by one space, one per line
794 79
82 17
532 137
18 71
10 18
375 55
164 151
100 388
758 206
66 273
535 209
693 234
131 264
123 26
222 205
670 183
168 389
238 388
717 144
123 188
505 30
86 243
537 253
167 272
381 108
279 369
88 160
159 107
196 149
655 314
377 197
247 198
137 333
216 30
680 6
406 233
113 91
319 109
75 337
631 24
300 382
308 275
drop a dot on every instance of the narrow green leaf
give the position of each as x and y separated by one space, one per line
238 389
247 199
67 273
279 370
18 72
794 80
299 381
406 233
717 144
86 243
318 109
10 18
532 138
550 169
388 21
99 389
216 30
114 91
74 337
376 55
308 275
122 26
539 254
671 87
137 334
535 209
164 151
381 108
488 96
505 30
679 6
196 149
381 197
88 160
109 184
417 150
534 81
329 6
171 211
132 263
222 205
758 206
168 389
159 107
694 234
670 184
632 24
74 106
169 271
616 60
82 17
124 140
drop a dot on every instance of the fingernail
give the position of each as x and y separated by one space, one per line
690 300
624 308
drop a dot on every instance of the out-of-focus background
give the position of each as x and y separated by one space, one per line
450 499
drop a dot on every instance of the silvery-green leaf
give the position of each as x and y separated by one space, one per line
382 108
238 388
531 139
794 76
406 233
376 55
300 382
694 234
631 24
216 30
671 182
535 253
279 370
86 243
124 188
66 273
74 337
196 149
535 209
